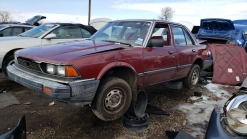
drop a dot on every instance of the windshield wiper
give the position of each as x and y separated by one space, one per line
108 41
117 42
125 43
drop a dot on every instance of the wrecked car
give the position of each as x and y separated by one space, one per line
231 123
16 28
222 31
107 70
13 29
48 33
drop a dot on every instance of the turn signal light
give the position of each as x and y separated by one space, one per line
71 72
47 90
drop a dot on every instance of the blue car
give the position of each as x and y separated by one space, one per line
223 31
240 36
241 21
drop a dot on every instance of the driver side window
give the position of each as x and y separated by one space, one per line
162 30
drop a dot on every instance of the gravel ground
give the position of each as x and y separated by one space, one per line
63 121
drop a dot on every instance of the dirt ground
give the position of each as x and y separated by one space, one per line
63 121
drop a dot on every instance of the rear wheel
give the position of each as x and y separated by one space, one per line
192 78
112 99
8 61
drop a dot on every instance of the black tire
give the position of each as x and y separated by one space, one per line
192 78
112 89
9 60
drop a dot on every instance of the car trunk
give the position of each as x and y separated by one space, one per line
215 30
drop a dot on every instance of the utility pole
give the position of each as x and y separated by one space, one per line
89 11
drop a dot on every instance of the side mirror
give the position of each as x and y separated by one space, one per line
50 36
156 41
1 34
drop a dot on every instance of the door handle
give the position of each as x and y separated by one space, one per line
170 52
193 50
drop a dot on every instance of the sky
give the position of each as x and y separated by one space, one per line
76 11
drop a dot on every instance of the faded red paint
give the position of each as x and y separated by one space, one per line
229 63
93 59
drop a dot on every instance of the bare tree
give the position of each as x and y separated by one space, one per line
166 14
5 16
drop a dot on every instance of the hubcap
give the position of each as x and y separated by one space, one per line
113 99
195 77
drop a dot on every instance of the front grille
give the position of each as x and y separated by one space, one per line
27 63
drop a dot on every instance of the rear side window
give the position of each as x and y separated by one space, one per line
6 32
188 39
178 36
17 31
181 37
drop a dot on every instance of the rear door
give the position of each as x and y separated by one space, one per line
186 48
160 62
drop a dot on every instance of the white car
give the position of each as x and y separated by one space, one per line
16 28
49 33
13 29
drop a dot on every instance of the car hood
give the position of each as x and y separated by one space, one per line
214 28
64 52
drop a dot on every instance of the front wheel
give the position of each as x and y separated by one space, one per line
112 99
192 78
8 61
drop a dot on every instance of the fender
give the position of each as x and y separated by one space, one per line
7 55
112 65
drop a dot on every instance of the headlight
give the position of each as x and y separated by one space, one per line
61 70
51 69
66 71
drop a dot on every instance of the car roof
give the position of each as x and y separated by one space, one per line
147 20
14 25
89 28
239 26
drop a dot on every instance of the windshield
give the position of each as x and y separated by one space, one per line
1 26
126 32
38 31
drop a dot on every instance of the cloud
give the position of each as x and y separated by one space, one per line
192 10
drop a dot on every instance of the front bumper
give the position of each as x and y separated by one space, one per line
218 128
79 92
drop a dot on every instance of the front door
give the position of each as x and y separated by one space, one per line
160 62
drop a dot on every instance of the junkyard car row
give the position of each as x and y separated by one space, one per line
107 69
